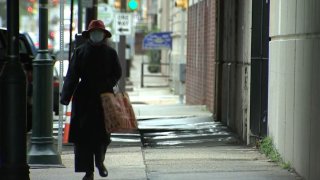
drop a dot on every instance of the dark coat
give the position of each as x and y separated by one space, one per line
99 70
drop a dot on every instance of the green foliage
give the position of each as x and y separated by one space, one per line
266 147
154 60
153 55
285 165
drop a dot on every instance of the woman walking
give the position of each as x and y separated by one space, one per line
94 69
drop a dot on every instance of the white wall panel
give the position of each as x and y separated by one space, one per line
281 98
315 113
302 107
274 18
294 83
291 17
283 16
300 17
288 70
273 93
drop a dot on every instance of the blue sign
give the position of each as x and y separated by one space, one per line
161 40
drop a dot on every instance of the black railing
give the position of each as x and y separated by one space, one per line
158 73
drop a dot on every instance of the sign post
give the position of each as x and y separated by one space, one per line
122 45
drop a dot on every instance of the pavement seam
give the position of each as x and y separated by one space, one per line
144 162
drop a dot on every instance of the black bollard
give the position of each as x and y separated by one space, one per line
42 151
13 103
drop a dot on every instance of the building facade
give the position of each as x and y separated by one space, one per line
174 19
255 65
259 92
218 57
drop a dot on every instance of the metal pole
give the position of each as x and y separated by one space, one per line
92 13
70 30
229 93
61 75
80 16
142 74
122 52
42 150
181 96
13 159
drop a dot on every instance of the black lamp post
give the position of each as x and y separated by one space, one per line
13 159
42 151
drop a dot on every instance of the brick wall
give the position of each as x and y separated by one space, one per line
200 76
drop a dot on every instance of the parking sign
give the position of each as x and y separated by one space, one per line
123 23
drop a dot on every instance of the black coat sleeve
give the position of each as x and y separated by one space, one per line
116 75
112 75
71 81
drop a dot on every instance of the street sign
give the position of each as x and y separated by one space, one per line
123 23
105 13
160 40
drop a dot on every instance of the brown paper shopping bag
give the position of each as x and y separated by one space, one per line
118 113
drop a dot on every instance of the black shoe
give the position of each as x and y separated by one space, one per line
103 171
88 176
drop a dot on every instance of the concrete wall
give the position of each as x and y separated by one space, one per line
178 26
234 64
294 84
243 69
164 26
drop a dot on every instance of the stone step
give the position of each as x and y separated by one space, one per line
169 111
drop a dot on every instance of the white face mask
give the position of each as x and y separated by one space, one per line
96 36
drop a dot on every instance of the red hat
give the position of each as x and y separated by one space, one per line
96 24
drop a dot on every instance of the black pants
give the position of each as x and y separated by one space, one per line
87 153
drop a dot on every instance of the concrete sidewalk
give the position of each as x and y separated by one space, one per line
187 163
122 163
130 160
205 161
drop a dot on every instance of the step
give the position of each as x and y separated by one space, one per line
169 111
